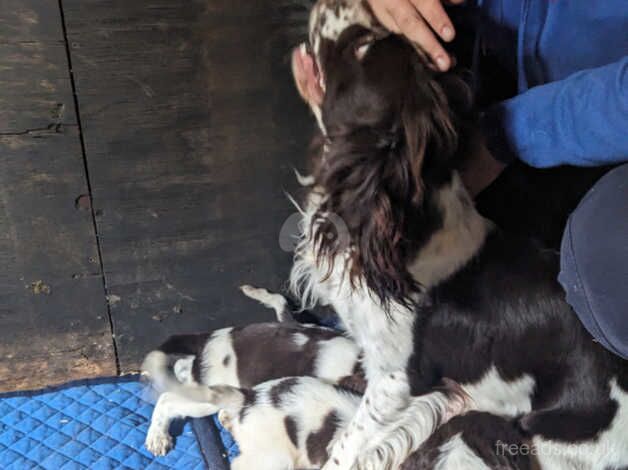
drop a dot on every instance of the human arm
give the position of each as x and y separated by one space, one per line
581 120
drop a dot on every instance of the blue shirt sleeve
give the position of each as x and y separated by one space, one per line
581 120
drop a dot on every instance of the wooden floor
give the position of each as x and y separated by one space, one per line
145 147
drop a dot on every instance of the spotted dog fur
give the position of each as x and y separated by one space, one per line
287 423
329 18
292 423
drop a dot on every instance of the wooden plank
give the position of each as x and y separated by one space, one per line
53 317
191 125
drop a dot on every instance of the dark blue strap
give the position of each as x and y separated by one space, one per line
210 443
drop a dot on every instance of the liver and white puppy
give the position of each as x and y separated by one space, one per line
183 366
286 423
292 423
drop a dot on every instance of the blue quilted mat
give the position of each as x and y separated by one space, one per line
86 425
230 446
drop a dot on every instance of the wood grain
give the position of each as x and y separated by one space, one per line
191 126
53 318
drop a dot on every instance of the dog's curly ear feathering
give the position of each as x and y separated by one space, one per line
389 124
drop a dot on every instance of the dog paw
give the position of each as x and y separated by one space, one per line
458 401
224 418
158 443
248 290
455 407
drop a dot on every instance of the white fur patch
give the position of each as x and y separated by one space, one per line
183 370
304 180
498 396
213 369
300 339
263 441
610 449
328 366
307 404
329 19
351 12
275 301
461 237
455 454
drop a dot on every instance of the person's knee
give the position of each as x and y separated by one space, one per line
594 260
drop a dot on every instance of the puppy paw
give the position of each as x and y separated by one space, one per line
458 401
158 443
248 290
224 418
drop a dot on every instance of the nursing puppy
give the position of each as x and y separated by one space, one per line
286 423
426 286
182 367
291 423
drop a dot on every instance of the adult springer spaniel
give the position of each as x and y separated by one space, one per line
427 287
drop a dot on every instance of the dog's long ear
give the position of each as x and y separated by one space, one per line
430 131
370 186
373 178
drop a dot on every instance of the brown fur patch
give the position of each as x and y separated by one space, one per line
281 389
291 429
318 441
267 351
356 382
250 398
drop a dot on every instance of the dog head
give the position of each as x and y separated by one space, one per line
392 132
329 20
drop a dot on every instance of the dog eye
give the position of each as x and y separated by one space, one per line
363 45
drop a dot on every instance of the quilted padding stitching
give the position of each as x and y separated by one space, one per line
91 426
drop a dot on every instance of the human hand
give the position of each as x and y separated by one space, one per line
418 20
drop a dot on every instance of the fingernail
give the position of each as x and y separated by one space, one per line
447 33
441 62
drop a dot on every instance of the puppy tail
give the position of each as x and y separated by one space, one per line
157 368
275 301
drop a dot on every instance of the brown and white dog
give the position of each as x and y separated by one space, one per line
290 423
183 367
426 286
284 424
